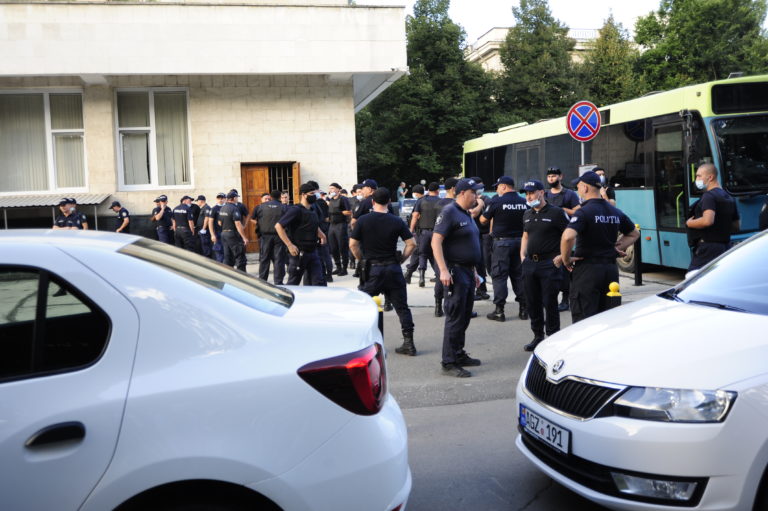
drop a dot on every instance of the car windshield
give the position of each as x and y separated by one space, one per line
743 144
244 288
737 281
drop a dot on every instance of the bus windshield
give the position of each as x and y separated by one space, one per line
743 145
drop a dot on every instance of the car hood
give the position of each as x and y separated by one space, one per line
661 343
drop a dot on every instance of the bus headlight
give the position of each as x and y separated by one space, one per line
675 405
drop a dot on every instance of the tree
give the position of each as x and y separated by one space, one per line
691 41
609 67
539 81
416 128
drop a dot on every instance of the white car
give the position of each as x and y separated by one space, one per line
663 403
134 375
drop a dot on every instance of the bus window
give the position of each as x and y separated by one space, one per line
743 145
671 204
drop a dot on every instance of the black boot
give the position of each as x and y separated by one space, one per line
498 314
352 264
535 342
523 312
408 348
329 277
564 303
422 283
408 274
482 293
338 268
387 305
438 308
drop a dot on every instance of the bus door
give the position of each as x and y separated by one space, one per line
671 193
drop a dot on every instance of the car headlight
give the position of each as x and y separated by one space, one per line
675 405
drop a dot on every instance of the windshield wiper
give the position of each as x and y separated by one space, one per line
671 294
716 305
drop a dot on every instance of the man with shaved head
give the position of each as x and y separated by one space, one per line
714 217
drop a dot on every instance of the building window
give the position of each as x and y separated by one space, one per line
153 140
42 144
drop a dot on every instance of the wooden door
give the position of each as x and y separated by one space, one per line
255 179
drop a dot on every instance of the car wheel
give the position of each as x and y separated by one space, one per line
761 499
627 263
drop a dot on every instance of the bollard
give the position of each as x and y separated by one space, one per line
377 300
638 258
614 297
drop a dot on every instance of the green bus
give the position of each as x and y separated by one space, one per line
650 148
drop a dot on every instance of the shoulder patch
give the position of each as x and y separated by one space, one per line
574 218
439 219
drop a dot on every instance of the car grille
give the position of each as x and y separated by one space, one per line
570 396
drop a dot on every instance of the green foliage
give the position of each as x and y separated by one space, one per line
609 66
416 128
691 41
539 80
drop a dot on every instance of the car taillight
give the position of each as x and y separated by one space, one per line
355 381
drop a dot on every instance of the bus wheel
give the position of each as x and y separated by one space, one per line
627 263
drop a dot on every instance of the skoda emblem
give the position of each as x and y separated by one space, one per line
558 366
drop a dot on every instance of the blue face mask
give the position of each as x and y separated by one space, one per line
700 184
533 203
480 192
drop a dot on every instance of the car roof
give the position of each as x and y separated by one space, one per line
101 240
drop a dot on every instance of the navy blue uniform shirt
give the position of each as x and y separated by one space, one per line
182 214
545 228
598 224
228 215
165 220
74 219
213 214
366 206
507 213
462 237
721 202
378 234
121 216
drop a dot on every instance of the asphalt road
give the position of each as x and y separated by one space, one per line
462 431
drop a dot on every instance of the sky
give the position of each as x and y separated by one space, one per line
479 16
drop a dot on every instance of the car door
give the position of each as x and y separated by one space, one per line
67 342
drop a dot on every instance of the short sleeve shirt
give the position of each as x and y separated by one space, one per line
165 220
565 199
721 202
507 213
545 228
121 216
378 234
598 224
228 215
462 237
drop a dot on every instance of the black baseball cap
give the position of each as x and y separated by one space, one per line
590 177
232 194
221 195
200 197
554 170
467 184
504 180
335 185
381 196
185 198
115 204
370 183
162 198
306 188
64 201
532 185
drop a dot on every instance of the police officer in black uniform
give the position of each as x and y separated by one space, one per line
122 218
233 236
366 204
450 197
423 219
486 244
506 210
271 248
203 234
243 209
214 228
299 229
714 218
568 201
593 229
456 248
70 217
543 226
339 213
163 217
184 224
374 240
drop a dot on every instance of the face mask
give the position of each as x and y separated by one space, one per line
480 192
700 184
332 195
533 203
359 197
602 180
311 198
554 185
72 209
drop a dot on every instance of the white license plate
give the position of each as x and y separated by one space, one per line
546 431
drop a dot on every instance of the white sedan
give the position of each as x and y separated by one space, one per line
134 375
663 403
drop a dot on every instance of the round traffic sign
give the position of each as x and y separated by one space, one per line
583 121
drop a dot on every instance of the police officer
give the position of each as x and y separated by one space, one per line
593 229
423 219
354 202
184 224
486 244
606 192
123 218
213 227
543 226
714 218
374 240
271 248
450 197
339 212
241 260
233 236
456 248
299 229
323 251
203 234
163 216
366 203
568 201
506 210
413 264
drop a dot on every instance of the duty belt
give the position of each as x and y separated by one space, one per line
505 238
382 262
467 266
542 257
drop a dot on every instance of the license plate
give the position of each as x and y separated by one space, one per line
546 431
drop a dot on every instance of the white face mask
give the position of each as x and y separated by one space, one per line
480 192
533 203
359 197
602 180
700 184
332 194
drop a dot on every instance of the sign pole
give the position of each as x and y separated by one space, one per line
582 153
